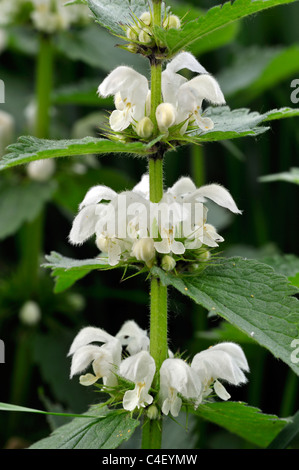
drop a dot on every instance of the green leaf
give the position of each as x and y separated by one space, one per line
245 421
287 434
249 295
10 407
20 203
91 433
287 265
230 124
67 270
212 41
29 149
214 19
111 15
258 69
291 176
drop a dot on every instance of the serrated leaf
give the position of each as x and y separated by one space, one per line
288 265
245 421
291 176
91 433
67 271
249 295
214 19
258 69
230 124
22 203
28 149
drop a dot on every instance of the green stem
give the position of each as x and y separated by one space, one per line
288 406
152 429
44 83
31 247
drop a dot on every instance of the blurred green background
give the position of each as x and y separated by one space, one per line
255 62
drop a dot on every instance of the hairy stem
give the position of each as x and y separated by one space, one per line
152 429
44 82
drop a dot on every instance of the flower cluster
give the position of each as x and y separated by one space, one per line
181 109
141 32
128 227
179 380
47 16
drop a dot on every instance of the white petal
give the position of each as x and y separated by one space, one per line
83 225
163 246
132 336
171 83
221 391
205 87
132 399
138 368
97 194
88 379
177 374
185 60
182 187
236 352
177 247
120 80
205 124
88 335
142 187
120 120
217 194
82 358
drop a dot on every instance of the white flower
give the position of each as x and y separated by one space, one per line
104 359
30 313
139 369
50 16
41 170
144 250
128 225
133 337
224 361
187 96
177 377
130 90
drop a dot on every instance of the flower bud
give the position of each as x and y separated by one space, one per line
152 412
144 37
204 256
30 313
165 115
132 48
102 244
146 18
41 170
132 34
172 21
144 250
168 263
145 128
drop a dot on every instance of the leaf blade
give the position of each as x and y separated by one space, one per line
251 296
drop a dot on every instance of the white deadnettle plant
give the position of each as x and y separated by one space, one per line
182 99
129 226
